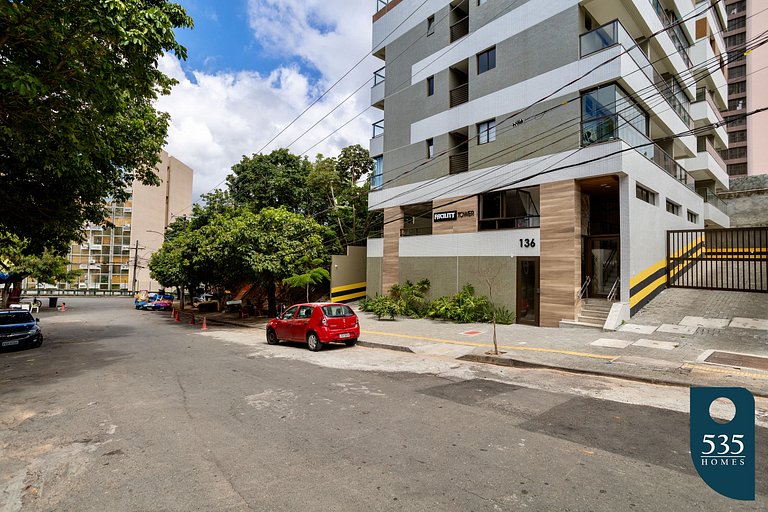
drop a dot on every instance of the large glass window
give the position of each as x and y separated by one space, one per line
509 209
486 60
486 132
378 168
608 113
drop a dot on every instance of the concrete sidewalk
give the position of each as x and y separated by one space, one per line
663 354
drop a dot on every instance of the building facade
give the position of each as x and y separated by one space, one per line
544 146
115 260
747 88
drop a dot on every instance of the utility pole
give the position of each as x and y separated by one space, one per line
135 264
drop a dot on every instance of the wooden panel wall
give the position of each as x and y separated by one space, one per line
560 251
460 225
390 271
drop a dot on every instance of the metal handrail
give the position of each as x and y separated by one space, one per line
584 291
378 128
459 95
379 76
381 4
614 290
460 29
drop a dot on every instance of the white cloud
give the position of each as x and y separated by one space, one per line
218 118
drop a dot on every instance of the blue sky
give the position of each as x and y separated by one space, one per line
253 66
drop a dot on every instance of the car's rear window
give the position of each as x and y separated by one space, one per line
21 317
338 311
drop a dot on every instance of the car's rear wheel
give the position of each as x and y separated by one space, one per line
272 337
351 343
39 341
314 342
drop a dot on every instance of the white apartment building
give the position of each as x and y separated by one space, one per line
547 145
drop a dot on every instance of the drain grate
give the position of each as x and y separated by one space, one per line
741 360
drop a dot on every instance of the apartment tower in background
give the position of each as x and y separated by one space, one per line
747 88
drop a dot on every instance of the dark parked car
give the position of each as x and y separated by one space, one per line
19 329
315 324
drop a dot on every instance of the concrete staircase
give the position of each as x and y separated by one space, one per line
593 315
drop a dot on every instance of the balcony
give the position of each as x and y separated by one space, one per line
704 57
705 112
715 210
459 162
416 231
613 34
708 164
459 95
529 221
675 33
460 29
377 91
613 127
377 141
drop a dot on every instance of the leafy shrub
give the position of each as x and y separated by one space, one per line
503 315
464 307
382 306
411 298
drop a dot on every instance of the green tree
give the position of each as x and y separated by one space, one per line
77 82
314 273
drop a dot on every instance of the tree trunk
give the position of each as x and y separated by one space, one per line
271 299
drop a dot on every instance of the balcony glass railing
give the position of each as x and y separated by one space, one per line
528 221
614 33
675 32
615 127
711 198
379 76
704 145
380 4
378 129
416 231
703 94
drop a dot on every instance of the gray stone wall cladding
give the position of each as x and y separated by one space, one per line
556 43
448 275
747 201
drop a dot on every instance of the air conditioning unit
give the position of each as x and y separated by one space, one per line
127 209
83 266
82 285
123 286
91 261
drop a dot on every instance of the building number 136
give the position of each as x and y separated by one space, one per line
527 242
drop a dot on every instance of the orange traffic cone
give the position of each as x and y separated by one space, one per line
177 317
173 312
205 325
192 319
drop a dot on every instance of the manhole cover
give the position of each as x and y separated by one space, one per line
731 359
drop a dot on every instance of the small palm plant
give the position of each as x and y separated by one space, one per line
315 274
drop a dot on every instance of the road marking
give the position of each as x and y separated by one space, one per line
469 344
734 371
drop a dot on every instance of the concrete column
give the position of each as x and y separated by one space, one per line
390 271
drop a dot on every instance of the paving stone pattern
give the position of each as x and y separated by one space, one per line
674 304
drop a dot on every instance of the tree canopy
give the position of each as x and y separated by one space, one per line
77 125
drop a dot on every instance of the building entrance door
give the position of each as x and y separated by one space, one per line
528 291
602 265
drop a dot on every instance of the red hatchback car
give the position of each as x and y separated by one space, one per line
315 323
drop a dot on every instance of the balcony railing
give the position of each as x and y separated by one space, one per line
459 95
705 145
416 231
528 221
675 33
379 76
703 94
711 198
378 129
380 4
458 162
460 29
613 33
614 127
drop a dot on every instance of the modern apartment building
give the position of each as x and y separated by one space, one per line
114 260
544 145
747 88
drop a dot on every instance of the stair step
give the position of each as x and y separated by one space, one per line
592 319
579 325
598 311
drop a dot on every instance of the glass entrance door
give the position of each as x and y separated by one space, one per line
528 291
603 265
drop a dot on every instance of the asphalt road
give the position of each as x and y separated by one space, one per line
127 410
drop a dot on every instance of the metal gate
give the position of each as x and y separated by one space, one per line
718 259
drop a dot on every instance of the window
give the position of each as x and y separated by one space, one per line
740 136
608 113
486 60
508 209
673 208
734 153
693 217
738 39
737 104
290 312
430 86
378 168
430 148
431 25
486 132
737 88
646 195
481 2
734 23
737 71
737 169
